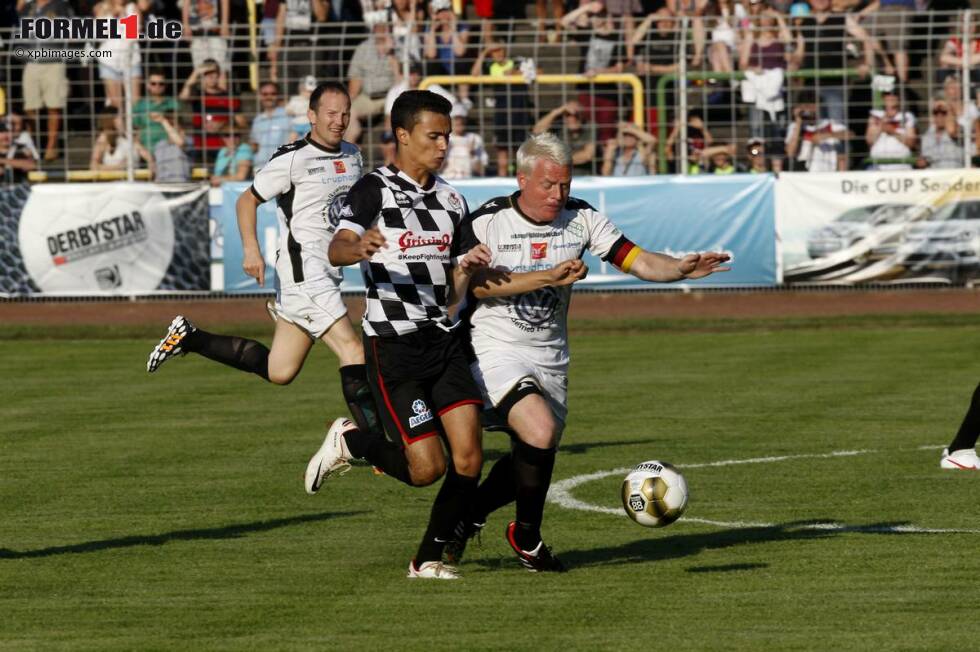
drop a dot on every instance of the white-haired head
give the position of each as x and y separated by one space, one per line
545 146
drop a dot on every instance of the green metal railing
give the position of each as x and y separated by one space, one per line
725 76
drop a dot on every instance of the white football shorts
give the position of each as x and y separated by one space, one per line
498 373
313 305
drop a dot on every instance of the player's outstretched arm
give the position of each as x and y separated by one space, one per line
473 261
246 209
500 283
348 248
651 266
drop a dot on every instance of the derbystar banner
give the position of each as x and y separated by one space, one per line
104 238
860 227
674 215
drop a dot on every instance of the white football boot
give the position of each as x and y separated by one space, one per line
432 570
961 460
169 346
332 458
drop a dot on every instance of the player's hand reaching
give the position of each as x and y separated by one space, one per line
254 265
568 272
700 265
478 256
371 242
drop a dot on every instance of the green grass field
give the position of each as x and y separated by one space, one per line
167 511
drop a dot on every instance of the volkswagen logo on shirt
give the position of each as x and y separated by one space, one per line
537 308
335 211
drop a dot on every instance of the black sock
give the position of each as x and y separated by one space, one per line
376 449
966 436
499 488
456 493
360 401
532 470
238 352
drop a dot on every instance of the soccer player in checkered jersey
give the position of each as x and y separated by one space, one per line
961 454
309 179
400 224
517 318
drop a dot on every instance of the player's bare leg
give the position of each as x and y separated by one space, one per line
290 346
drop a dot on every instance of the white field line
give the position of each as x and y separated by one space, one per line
561 494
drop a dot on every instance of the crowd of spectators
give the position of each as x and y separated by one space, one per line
876 100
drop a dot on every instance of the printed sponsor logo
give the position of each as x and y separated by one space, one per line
539 250
575 228
339 167
108 278
649 466
336 209
525 236
43 28
409 240
312 171
535 310
509 247
568 245
422 413
92 239
402 199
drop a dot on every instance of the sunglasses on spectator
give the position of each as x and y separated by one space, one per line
155 83
939 111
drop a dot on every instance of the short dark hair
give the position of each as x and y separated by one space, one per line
407 107
327 87
270 83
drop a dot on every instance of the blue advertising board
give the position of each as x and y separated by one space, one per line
674 215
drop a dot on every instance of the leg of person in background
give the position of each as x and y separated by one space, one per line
54 125
281 364
961 453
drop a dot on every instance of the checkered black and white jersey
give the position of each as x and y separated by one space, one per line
309 183
408 280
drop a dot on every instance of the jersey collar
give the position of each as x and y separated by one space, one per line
401 175
309 140
525 216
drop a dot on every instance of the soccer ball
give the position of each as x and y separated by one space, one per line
654 494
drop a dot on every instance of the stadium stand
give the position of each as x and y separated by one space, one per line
743 69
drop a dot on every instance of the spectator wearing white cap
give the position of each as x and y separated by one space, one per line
299 104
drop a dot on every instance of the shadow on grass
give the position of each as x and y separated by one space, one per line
224 532
688 545
566 449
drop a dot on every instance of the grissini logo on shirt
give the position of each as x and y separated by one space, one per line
409 240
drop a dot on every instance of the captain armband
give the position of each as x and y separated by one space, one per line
623 253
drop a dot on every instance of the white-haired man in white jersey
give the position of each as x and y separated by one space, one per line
517 313
309 179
